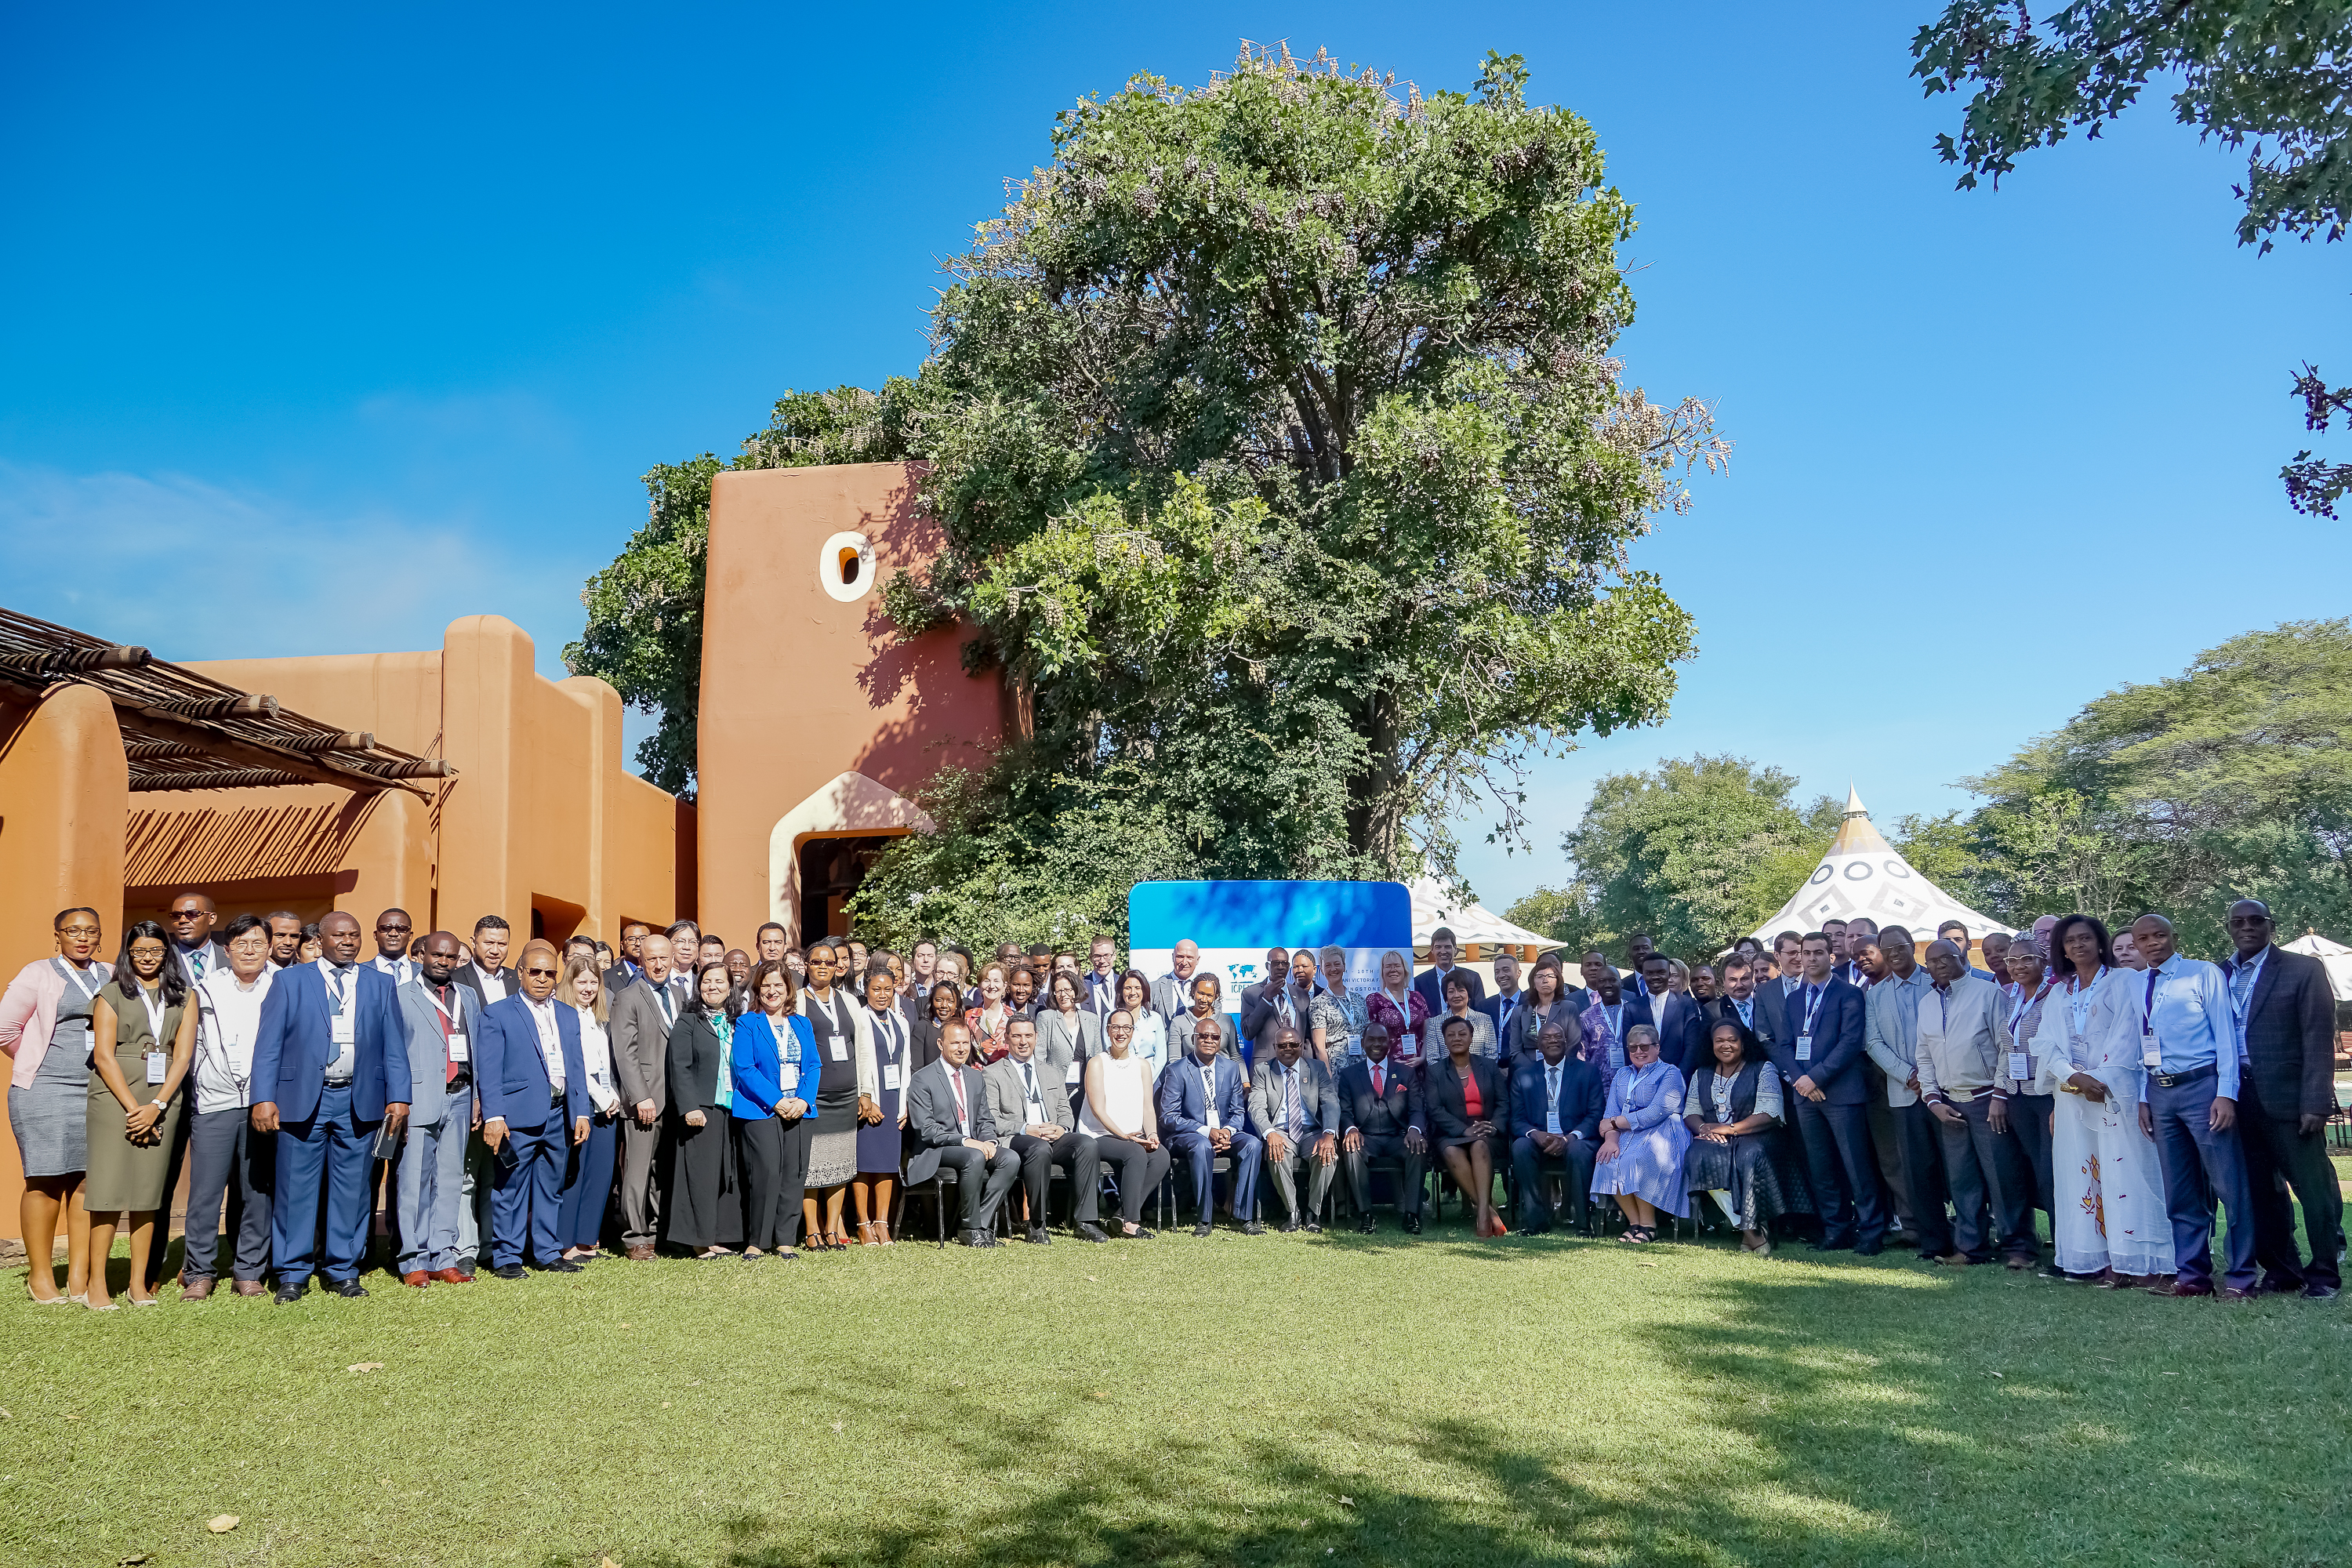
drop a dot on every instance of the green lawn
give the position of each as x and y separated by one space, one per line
1282 1400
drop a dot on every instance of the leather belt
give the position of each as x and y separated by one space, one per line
2175 1080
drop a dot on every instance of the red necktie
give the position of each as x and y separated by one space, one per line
1377 1091
964 1111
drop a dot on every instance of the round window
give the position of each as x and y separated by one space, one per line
844 567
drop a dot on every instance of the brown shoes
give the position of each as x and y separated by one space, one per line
195 1289
1955 1259
640 1253
251 1288
416 1279
2174 1288
450 1276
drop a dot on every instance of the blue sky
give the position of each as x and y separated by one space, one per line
327 327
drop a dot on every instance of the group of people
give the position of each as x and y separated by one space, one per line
744 1104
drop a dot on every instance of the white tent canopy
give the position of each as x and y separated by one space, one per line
2335 956
1470 922
1862 875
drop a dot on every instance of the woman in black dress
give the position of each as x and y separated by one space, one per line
882 1116
1734 1112
700 1093
833 1016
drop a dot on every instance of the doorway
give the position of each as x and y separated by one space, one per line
830 871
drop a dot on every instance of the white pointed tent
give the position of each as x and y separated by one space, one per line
1472 923
1862 874
2335 956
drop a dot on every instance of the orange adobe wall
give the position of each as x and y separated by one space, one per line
815 722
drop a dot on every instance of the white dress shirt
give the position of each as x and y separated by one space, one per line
597 1062
551 1043
228 1016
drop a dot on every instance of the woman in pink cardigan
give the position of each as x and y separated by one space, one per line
45 1029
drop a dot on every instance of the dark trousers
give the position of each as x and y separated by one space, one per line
580 1221
1843 1169
1074 1152
2200 1166
227 1157
760 1162
322 1165
2277 1157
978 1195
527 1199
2029 1124
1384 1146
695 1211
1199 1156
1923 1169
1887 1141
1531 1165
1138 1170
1990 1183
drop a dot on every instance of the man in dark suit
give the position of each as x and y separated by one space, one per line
1431 981
1821 1060
631 965
1501 1007
332 1057
1556 1102
947 1109
487 976
192 919
1675 1015
1295 1108
1204 1112
535 1105
642 1017
2286 1015
1379 1108
1031 1107
1269 1007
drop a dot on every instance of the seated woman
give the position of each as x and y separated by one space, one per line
1464 1094
1119 1115
1457 1005
1642 1138
946 1007
1734 1106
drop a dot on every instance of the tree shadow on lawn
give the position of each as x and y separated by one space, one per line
1851 1418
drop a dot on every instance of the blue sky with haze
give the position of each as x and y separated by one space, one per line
327 328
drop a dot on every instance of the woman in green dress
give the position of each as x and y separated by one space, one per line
143 1038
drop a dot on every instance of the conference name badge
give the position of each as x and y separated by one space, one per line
156 1062
837 1048
458 1047
890 1075
2020 1067
1804 1048
343 1028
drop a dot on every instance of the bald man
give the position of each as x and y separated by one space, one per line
535 1101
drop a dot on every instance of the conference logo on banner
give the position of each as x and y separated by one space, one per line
1237 967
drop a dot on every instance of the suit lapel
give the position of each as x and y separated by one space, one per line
2263 981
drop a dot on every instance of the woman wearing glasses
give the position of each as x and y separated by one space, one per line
44 1027
142 1040
1118 1116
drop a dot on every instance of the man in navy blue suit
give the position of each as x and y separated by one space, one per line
1431 981
1819 1057
332 1055
535 1102
1675 1014
1203 1113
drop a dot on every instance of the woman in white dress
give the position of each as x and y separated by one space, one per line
2111 1225
1120 1117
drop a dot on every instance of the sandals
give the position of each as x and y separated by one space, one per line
865 1234
1639 1234
882 1234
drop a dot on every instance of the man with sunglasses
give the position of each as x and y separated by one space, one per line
534 1095
392 930
192 920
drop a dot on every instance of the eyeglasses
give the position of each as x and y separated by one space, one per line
1120 1034
77 930
535 973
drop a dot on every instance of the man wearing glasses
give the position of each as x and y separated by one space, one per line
1204 1113
193 948
393 928
534 1094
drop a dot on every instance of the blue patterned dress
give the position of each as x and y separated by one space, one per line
1649 1163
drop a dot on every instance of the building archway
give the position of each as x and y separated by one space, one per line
819 850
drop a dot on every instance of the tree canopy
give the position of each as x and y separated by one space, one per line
2268 76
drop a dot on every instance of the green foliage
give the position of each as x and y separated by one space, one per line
1563 914
644 634
1282 463
2231 779
1695 854
2268 72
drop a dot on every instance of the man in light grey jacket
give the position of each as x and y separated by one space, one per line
438 1015
1891 1038
1026 1097
1294 1106
1963 1045
639 1033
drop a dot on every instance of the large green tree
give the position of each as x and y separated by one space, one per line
2231 780
2268 76
1284 465
1695 853
644 634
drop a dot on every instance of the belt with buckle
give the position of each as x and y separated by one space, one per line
554 1097
2175 1080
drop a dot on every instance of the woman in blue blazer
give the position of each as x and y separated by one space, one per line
775 1066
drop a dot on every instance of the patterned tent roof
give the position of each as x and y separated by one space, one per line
1863 874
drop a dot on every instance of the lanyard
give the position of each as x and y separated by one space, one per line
2238 1011
1812 1011
2025 1004
154 1006
336 998
448 1019
88 992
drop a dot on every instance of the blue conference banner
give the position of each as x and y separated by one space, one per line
1236 922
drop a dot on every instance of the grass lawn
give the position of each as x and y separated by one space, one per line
1282 1400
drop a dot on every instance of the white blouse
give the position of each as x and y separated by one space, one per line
596 1062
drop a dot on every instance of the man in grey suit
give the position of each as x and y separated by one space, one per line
1172 993
439 1016
1295 1108
1024 1094
641 1016
947 1109
1381 1119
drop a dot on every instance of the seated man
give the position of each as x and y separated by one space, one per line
1556 1103
946 1107
1294 1106
1038 1104
1203 1114
1380 1115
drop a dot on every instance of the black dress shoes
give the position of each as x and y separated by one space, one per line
1201 1229
1290 1225
348 1288
560 1266
509 1271
1038 1236
1412 1225
2318 1292
1312 1226
1252 1227
1088 1230
288 1294
978 1237
1365 1226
